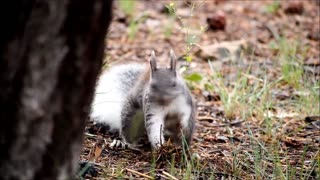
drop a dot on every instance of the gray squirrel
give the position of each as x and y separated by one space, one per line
136 99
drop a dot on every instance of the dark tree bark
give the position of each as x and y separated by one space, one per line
50 56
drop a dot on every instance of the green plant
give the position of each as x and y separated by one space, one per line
134 25
127 6
307 101
193 79
191 35
291 64
172 18
153 165
172 165
273 7
189 162
119 170
238 99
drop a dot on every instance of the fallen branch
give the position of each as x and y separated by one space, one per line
169 175
140 174
205 118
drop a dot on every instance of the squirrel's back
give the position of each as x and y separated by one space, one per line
111 91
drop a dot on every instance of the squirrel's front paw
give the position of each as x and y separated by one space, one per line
116 143
156 146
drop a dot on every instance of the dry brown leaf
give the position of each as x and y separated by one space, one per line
96 150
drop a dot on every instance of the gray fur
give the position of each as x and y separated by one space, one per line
150 96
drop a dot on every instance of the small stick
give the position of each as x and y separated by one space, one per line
164 177
205 118
169 175
140 174
90 135
252 77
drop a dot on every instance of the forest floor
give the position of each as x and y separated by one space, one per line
254 69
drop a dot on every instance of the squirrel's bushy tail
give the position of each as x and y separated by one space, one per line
111 91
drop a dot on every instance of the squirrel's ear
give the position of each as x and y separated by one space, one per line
173 60
152 60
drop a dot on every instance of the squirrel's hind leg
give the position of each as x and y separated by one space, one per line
132 122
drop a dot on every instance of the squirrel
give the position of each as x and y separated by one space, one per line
136 99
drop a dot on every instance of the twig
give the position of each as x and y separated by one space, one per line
164 177
140 174
252 77
90 135
169 175
205 118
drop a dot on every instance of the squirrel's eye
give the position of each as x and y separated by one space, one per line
174 84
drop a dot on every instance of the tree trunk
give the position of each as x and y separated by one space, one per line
50 56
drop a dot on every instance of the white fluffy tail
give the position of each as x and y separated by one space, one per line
111 92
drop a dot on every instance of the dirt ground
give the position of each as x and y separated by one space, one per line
226 145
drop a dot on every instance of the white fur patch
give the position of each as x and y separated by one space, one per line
110 95
180 106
